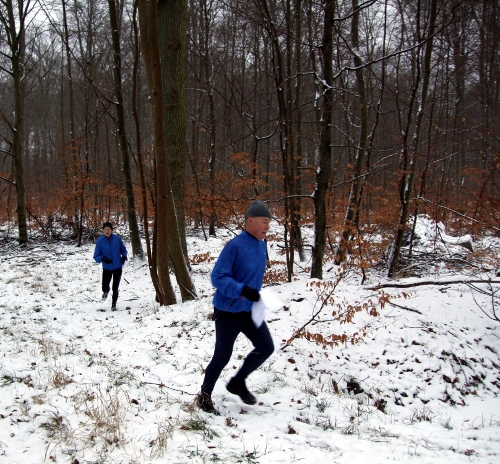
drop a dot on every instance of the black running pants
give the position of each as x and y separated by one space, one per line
106 279
227 327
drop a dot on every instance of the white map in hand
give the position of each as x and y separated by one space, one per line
267 303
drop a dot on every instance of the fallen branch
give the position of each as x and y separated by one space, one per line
405 308
162 385
433 282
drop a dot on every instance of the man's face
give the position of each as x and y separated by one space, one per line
107 231
258 227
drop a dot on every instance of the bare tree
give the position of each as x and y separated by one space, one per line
144 191
411 160
325 149
13 17
281 60
123 142
148 27
361 150
75 170
172 28
168 237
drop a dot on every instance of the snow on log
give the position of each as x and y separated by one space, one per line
464 241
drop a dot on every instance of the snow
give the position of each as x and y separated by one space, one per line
465 240
82 384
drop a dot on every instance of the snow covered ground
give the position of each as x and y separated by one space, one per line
82 384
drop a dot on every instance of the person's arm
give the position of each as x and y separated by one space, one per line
222 273
123 250
268 262
97 252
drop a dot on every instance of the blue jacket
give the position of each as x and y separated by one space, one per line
241 262
112 248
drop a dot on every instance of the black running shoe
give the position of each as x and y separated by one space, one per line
240 389
113 308
205 403
104 295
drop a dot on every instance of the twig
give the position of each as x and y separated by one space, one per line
493 316
404 307
8 180
297 333
187 290
457 359
162 385
458 213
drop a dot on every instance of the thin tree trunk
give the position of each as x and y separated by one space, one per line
297 111
15 31
285 132
408 180
72 142
325 150
123 144
150 256
359 162
290 152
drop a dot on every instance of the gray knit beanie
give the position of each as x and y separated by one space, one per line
258 209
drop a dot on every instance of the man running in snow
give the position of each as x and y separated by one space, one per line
237 277
111 252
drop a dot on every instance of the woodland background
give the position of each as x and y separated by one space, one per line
348 117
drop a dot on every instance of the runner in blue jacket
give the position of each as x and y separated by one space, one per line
237 277
111 252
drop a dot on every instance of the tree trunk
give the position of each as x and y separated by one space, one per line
75 168
167 234
172 28
150 256
325 150
285 132
123 144
408 180
458 43
359 162
297 111
206 72
14 24
149 47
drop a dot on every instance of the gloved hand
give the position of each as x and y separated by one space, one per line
250 293
124 258
107 260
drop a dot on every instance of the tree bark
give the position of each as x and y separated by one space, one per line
75 168
151 55
359 162
151 261
123 144
14 24
285 127
408 180
167 240
172 28
325 150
